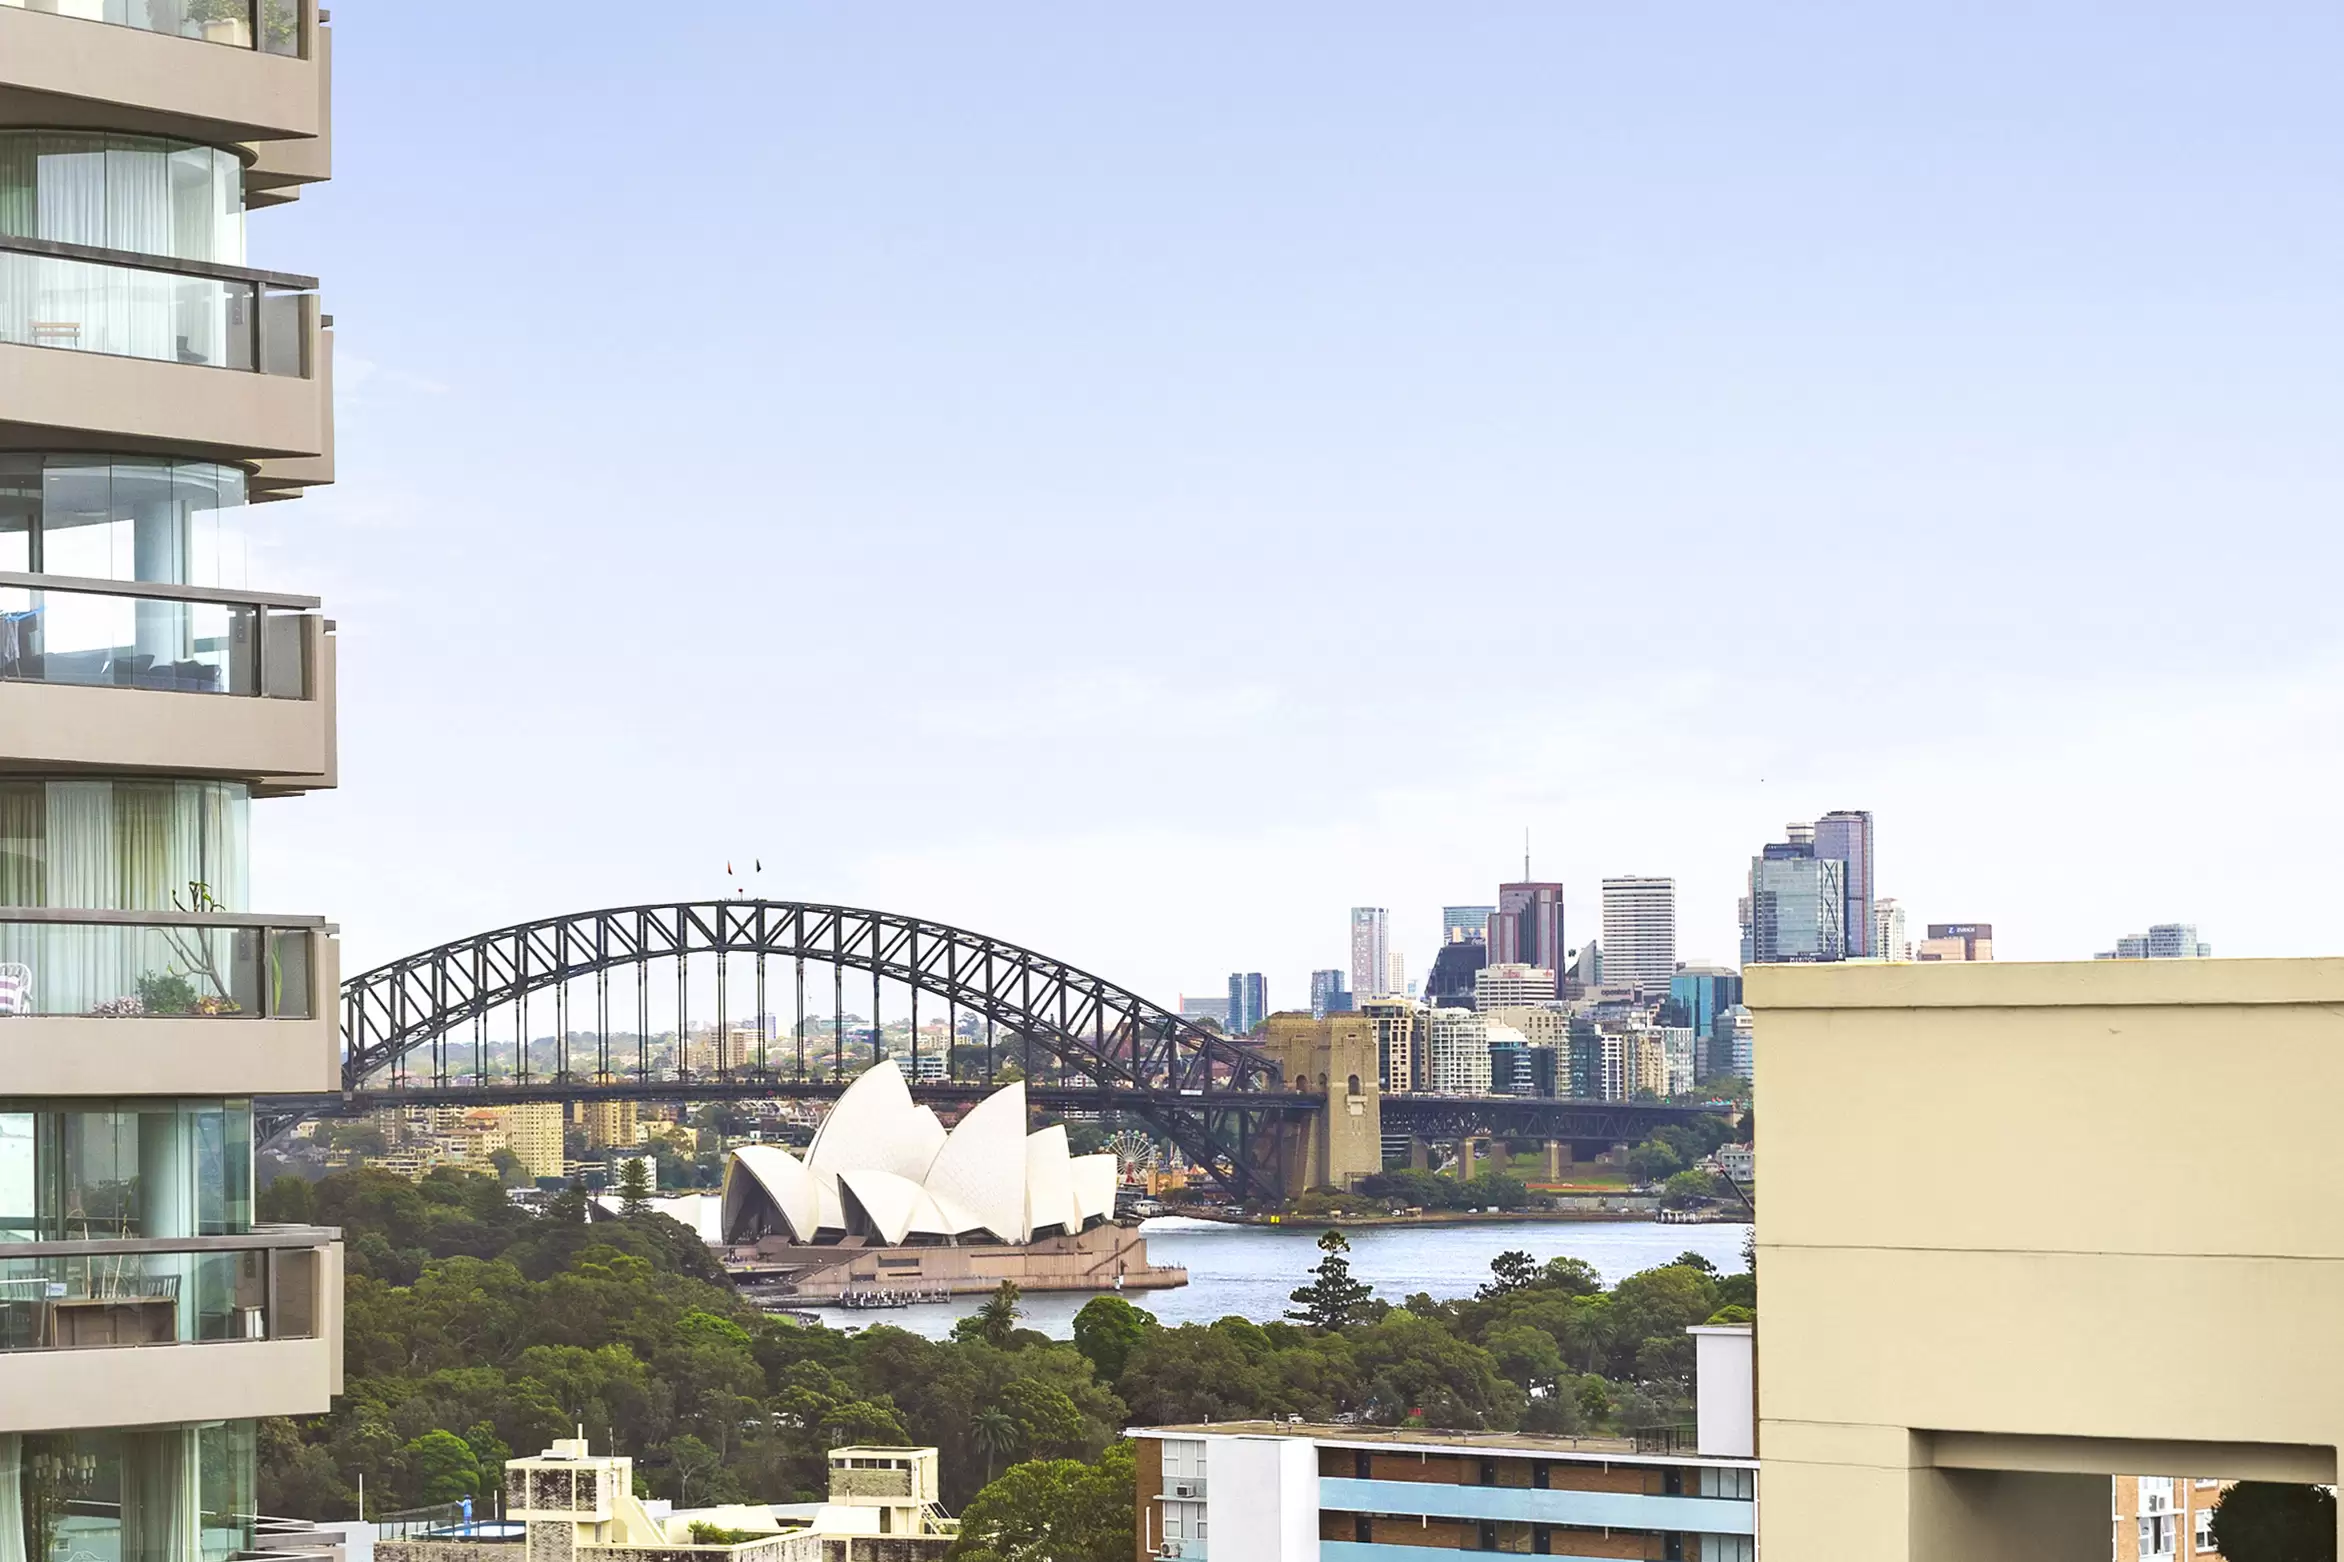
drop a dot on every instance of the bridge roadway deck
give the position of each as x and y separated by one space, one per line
1427 1116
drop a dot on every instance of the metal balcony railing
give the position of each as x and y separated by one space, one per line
65 963
82 298
139 635
169 1291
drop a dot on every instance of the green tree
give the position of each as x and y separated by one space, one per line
441 1467
996 1319
2267 1521
634 1187
1105 1331
1526 1355
1685 1189
1056 1510
1510 1271
1654 1161
1334 1299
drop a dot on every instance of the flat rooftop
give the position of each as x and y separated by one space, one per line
1430 1438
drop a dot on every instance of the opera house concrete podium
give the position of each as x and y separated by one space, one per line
2028 1226
889 1202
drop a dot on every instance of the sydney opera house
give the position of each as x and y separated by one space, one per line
883 1167
887 1197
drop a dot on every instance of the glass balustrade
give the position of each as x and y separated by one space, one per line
94 639
272 26
138 312
196 967
75 1301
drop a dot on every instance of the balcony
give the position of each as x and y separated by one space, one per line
209 70
143 352
205 1004
139 1331
126 675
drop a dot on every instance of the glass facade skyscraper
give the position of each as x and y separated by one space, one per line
1249 1002
1796 908
1328 995
1459 923
1845 836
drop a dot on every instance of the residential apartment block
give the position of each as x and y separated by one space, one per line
1266 1491
153 387
2163 1518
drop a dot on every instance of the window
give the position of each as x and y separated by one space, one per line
173 199
1362 1528
1363 1465
2205 1529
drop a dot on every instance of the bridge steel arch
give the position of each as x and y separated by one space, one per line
1218 1099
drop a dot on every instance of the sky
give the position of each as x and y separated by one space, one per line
1139 481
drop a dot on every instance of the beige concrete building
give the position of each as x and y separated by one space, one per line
533 1132
1400 1029
611 1125
1960 1350
154 386
573 1505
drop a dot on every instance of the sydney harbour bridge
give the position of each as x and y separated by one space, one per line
770 984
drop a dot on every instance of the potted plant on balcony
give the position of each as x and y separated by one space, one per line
222 21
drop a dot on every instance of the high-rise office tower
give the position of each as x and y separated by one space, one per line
1640 933
1796 903
1503 986
1370 951
1957 943
1700 993
2165 941
1395 973
1888 931
1459 923
1328 995
153 386
1527 927
1845 836
1249 1002
1449 985
1214 1009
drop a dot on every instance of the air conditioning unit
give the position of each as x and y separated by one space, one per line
1183 1488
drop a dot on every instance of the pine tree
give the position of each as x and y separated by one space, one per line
1334 1299
634 1187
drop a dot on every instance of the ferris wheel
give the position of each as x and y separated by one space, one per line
1133 1151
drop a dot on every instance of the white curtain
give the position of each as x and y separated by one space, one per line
81 967
12 1498
161 1504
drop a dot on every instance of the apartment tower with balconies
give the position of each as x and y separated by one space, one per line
154 386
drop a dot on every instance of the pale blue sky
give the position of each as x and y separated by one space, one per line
1141 480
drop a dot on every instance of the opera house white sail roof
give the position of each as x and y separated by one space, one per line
881 1166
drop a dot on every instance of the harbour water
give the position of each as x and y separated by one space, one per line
1248 1271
